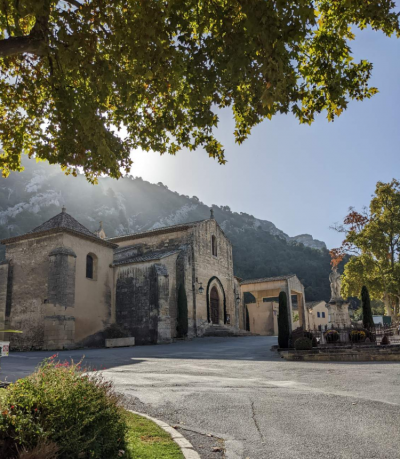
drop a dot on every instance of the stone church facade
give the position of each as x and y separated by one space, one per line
62 285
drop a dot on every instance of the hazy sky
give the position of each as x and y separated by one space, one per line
302 178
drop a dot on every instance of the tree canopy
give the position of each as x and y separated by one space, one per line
83 82
373 238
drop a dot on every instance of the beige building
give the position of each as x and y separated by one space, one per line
318 315
62 285
261 315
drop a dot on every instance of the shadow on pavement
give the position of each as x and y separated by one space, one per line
247 349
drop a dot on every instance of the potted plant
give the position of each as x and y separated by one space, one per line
332 336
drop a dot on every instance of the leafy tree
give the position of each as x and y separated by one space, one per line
283 322
76 72
373 239
182 320
368 321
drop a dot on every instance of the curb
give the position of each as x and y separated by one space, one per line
186 447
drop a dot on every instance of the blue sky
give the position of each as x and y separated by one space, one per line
302 178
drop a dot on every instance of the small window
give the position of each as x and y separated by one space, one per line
89 266
214 245
323 315
318 314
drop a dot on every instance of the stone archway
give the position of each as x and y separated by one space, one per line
214 282
214 305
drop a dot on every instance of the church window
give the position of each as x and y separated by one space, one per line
89 266
214 245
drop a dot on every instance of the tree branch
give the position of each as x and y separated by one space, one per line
74 3
19 45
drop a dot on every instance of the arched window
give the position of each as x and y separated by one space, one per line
89 266
214 245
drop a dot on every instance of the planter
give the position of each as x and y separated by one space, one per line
120 342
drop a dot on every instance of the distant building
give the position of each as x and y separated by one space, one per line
382 320
318 315
262 312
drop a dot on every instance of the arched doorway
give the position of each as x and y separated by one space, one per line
214 303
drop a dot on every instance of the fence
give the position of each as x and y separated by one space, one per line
356 334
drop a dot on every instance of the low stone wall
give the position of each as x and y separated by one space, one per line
120 342
370 353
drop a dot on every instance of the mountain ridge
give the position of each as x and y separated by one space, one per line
130 205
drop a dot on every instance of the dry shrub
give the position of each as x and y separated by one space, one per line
41 451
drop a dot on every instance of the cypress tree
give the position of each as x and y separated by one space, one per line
283 322
247 319
182 319
368 321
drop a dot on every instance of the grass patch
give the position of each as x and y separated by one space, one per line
146 440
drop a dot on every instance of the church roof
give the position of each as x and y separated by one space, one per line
150 256
65 221
162 230
267 279
59 223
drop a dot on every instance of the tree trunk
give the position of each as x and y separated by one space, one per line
388 306
20 45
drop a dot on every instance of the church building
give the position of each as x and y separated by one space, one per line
62 285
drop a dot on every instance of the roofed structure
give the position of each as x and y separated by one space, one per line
61 222
267 279
155 231
312 304
150 256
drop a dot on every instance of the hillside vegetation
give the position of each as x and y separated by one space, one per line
131 204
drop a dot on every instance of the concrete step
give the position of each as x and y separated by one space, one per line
224 331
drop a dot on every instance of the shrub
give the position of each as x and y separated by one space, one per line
357 336
308 334
283 322
303 344
314 342
182 320
332 336
385 340
79 412
368 320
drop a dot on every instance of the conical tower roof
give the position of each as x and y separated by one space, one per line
63 221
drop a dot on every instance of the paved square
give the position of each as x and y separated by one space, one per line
264 407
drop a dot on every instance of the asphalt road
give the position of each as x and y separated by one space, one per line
262 406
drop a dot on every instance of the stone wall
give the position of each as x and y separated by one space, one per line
4 270
211 271
180 270
94 307
61 286
146 299
137 306
28 292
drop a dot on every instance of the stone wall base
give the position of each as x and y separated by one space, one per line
59 332
365 354
120 342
